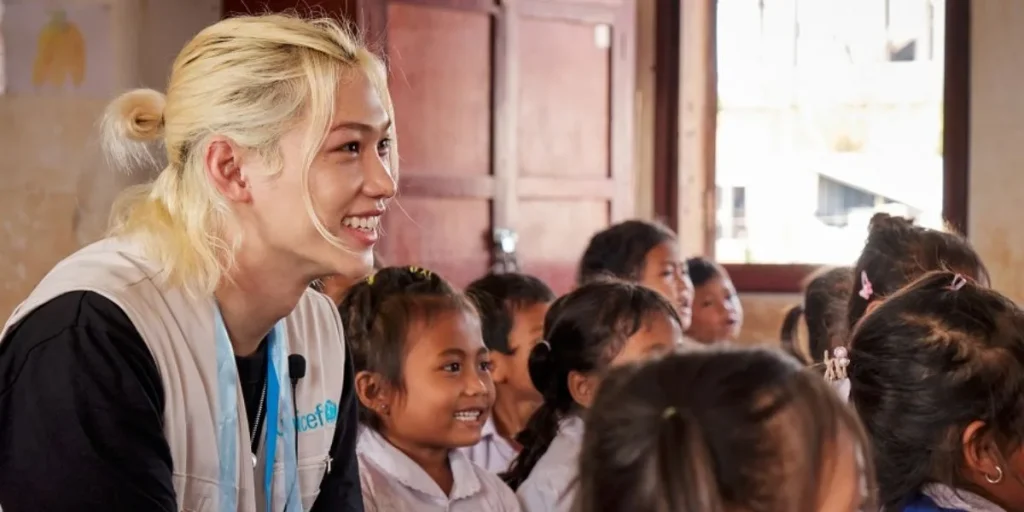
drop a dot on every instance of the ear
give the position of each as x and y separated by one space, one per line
501 367
982 463
372 392
582 387
224 168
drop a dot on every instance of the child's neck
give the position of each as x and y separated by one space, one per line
433 460
510 416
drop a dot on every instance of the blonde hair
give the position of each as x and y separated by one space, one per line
250 79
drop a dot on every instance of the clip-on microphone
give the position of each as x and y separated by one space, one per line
296 371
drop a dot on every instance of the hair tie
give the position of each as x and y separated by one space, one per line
669 412
836 363
865 286
959 282
419 271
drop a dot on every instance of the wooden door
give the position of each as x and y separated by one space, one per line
574 64
514 115
510 114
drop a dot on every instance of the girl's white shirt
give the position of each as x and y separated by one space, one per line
550 487
392 482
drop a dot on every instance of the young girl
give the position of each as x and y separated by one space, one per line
823 310
641 252
937 376
597 326
720 430
424 387
512 308
897 252
717 313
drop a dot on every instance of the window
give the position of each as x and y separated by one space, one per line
829 111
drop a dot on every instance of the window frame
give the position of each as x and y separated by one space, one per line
675 97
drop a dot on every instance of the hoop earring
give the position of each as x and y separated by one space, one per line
997 479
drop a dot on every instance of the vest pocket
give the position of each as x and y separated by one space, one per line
311 473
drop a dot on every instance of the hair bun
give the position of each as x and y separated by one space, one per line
139 114
884 221
133 129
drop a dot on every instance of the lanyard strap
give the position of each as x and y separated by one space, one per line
279 423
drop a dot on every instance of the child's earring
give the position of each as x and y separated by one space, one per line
998 478
383 408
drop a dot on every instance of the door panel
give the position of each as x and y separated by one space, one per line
564 98
442 234
440 63
553 234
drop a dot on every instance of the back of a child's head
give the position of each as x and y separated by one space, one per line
583 332
718 430
620 250
897 252
379 312
823 312
929 361
498 297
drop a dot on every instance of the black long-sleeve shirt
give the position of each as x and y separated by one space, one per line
81 416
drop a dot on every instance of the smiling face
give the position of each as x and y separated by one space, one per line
448 388
348 184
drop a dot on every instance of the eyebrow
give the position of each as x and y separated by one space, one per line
361 127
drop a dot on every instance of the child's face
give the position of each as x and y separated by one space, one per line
511 371
666 273
448 388
658 335
717 314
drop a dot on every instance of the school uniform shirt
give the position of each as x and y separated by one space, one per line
551 485
493 453
941 498
392 482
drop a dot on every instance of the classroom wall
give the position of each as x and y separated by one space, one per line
55 189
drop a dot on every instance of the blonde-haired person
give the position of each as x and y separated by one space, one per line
130 376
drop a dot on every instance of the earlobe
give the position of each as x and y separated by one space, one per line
223 167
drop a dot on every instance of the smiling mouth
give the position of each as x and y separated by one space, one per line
469 415
366 223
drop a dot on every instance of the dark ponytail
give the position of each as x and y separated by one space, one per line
378 311
790 328
583 331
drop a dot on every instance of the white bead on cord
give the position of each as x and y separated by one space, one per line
836 363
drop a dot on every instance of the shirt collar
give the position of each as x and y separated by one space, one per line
402 468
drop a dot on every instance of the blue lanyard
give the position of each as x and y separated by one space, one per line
280 420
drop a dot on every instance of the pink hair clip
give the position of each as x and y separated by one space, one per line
865 286
959 282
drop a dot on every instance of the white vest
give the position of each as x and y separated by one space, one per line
179 331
